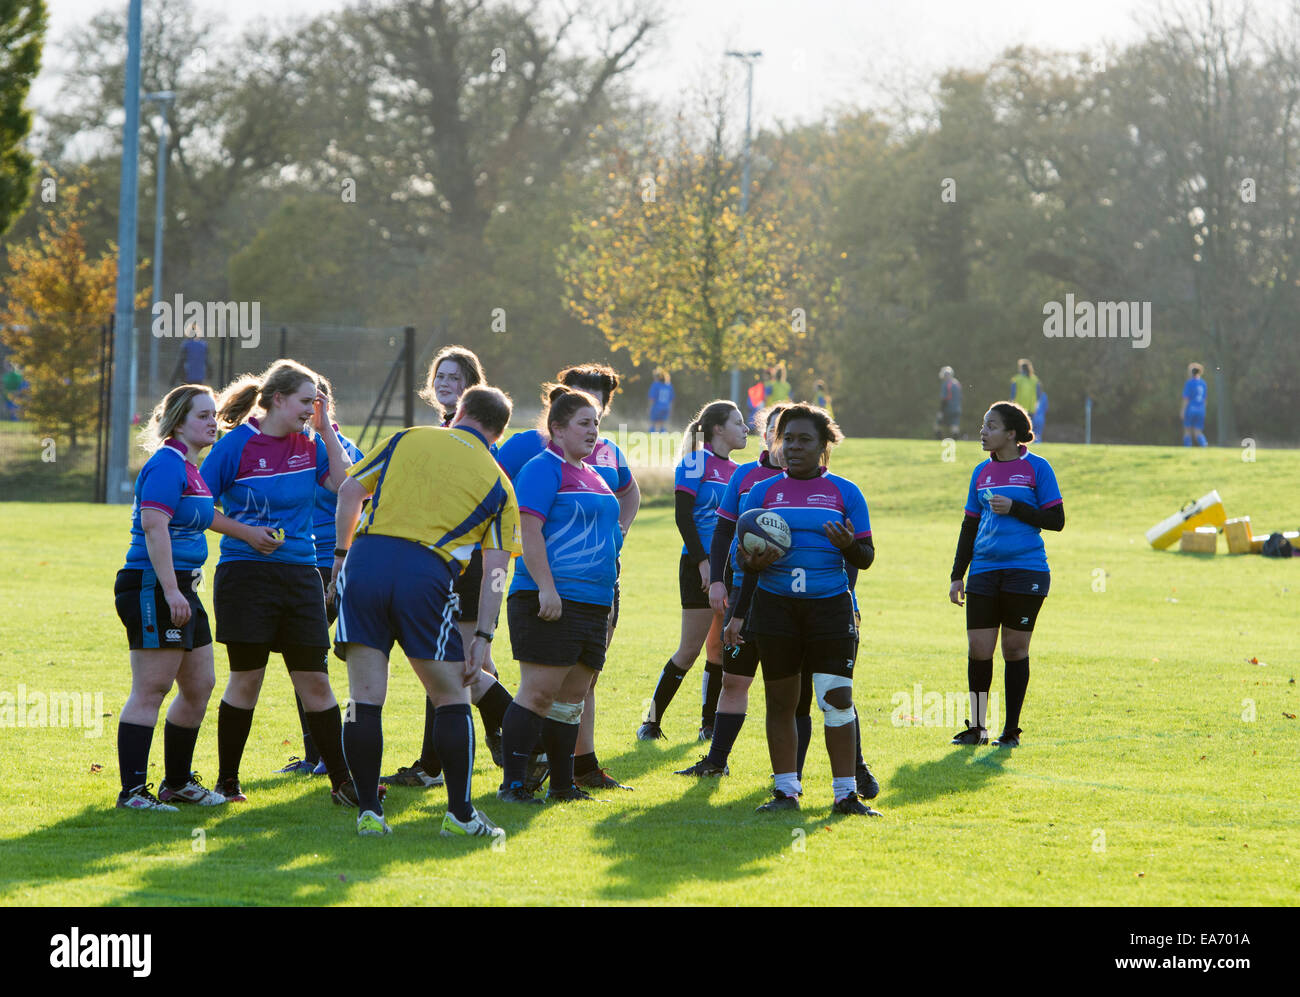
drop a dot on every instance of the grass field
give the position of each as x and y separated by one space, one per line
1158 764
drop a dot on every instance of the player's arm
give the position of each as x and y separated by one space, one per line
539 567
262 539
1051 518
347 513
158 541
339 461
629 502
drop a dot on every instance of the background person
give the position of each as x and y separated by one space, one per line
1192 407
1024 386
948 422
661 401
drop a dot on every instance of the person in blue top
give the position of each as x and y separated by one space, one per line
452 372
322 526
264 472
1192 407
661 401
157 600
1012 497
561 595
609 461
802 613
700 481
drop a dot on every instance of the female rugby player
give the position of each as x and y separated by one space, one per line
264 472
802 615
700 480
1012 497
322 526
561 595
453 370
601 382
166 626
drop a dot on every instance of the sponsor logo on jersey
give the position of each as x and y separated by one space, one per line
298 458
261 462
173 634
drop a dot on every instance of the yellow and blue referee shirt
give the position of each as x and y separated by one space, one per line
442 489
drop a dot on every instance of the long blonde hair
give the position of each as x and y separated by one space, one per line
282 377
169 414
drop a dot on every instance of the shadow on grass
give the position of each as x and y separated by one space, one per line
654 850
298 851
961 771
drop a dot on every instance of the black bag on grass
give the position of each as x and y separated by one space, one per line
1277 546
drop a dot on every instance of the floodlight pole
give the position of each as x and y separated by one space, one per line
164 100
748 58
118 486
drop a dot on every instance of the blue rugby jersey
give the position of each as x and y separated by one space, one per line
606 457
579 517
814 568
1194 391
705 475
746 476
268 481
327 503
1004 541
173 486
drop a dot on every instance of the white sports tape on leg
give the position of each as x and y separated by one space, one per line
822 684
565 713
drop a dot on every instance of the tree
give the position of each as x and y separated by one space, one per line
672 272
56 300
22 28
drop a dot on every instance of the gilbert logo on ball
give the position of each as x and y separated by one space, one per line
758 528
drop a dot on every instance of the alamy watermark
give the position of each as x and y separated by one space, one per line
58 708
240 320
919 708
1099 320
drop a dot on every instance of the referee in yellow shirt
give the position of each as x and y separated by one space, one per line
434 495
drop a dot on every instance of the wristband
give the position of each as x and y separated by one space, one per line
340 552
486 637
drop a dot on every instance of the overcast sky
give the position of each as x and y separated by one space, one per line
817 54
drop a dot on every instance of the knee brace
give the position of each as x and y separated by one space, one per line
822 684
565 713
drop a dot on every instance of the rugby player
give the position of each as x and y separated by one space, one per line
700 480
1012 497
322 527
802 616
264 472
561 595
1192 407
166 625
601 382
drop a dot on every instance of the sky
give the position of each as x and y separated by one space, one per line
817 54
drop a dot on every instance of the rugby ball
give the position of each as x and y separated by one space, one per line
758 529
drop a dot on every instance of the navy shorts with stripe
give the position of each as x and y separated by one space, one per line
391 589
143 610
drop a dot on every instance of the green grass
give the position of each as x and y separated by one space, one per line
1139 781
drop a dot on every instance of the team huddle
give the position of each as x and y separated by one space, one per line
411 544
